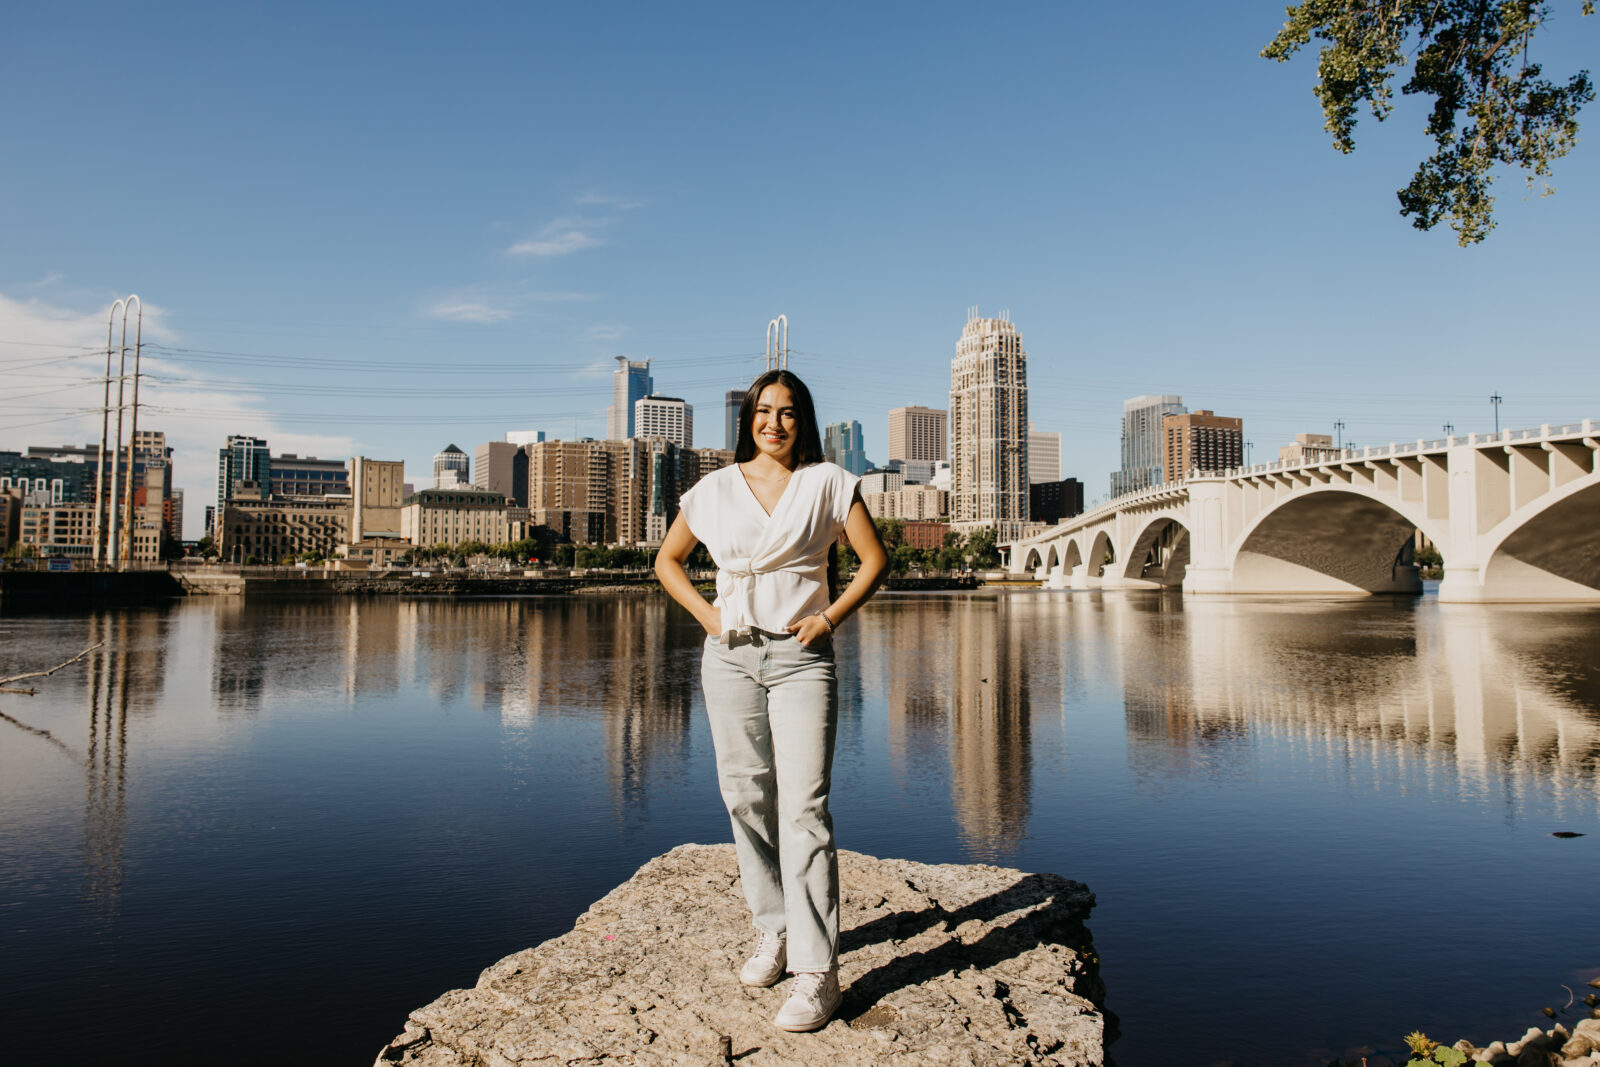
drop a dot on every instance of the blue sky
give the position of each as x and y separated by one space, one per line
381 229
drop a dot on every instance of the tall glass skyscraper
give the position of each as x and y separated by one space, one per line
242 459
630 383
1144 446
842 444
730 417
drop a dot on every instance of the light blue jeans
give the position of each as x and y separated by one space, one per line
773 706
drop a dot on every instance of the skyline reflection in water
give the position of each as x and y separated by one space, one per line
372 800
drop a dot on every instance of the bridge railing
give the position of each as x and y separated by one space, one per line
1344 455
1347 455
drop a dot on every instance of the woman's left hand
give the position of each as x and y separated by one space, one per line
810 630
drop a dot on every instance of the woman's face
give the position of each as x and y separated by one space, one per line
775 423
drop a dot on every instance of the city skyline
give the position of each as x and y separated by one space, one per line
387 271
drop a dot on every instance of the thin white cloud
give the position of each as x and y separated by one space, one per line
605 331
47 281
467 311
489 304
556 241
594 198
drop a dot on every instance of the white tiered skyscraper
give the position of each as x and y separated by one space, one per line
989 429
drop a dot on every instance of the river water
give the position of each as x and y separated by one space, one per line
265 831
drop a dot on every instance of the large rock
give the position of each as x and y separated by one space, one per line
941 965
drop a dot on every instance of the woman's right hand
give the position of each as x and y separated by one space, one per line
716 629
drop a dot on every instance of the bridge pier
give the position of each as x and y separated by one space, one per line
1207 581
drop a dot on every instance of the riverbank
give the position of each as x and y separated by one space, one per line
71 588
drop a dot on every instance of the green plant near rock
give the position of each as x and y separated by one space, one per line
1426 1052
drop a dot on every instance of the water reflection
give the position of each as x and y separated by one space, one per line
1478 695
958 690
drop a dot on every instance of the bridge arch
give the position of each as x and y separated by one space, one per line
1071 556
1551 553
1335 539
1102 553
1159 553
1032 560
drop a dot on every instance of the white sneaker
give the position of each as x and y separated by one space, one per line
812 1002
766 966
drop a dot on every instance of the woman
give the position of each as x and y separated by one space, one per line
769 521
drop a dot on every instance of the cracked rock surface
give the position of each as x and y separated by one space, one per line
948 964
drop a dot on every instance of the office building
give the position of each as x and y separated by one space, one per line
51 530
256 527
918 433
451 516
292 475
707 460
1144 444
172 515
1044 456
882 481
630 383
1202 442
241 459
613 492
916 471
1050 502
989 429
664 416
66 481
912 503
452 469
10 518
730 417
842 444
1309 448
502 467
377 487
524 437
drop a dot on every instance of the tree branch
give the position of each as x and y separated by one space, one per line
44 674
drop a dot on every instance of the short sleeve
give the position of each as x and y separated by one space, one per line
694 505
844 494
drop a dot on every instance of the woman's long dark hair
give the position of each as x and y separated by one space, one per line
807 438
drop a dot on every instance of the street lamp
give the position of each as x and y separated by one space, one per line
1496 400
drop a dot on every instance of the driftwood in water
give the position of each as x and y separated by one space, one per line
4 682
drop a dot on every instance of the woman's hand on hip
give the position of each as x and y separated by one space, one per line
715 627
812 629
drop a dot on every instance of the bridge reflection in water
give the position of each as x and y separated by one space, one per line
1468 696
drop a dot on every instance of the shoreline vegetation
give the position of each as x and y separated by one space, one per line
164 583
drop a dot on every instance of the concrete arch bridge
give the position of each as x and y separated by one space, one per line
1516 516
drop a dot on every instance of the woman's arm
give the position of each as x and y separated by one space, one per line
675 549
870 572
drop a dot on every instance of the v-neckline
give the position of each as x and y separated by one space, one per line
776 504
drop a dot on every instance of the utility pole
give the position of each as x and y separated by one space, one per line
1496 400
778 343
113 540
129 525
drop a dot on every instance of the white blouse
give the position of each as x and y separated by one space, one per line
772 570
